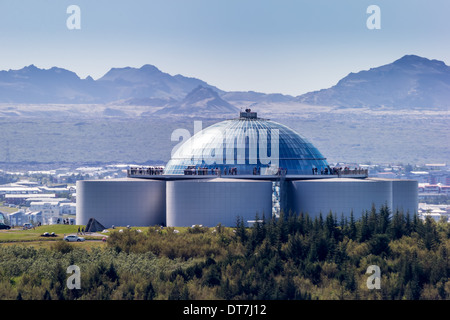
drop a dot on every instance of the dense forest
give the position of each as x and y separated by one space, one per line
292 257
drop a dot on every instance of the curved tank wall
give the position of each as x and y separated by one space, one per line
213 201
121 202
340 195
405 196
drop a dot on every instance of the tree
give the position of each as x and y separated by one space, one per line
364 230
408 224
287 289
398 227
330 225
429 234
384 219
47 295
352 232
295 249
373 221
225 290
178 288
211 277
379 244
149 292
58 282
417 224
257 234
111 273
241 232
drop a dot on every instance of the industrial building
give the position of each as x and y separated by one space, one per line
243 167
122 202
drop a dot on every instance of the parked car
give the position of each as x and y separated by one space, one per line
4 226
46 234
72 237
27 226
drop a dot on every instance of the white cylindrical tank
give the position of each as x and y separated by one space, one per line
121 202
209 202
405 196
339 195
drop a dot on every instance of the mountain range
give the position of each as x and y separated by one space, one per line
34 85
410 82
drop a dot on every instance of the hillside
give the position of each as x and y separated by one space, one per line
409 82
294 257
34 85
201 100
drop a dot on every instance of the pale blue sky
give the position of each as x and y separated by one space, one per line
286 46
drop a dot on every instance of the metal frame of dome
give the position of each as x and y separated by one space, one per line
245 145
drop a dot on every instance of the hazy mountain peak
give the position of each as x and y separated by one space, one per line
27 70
411 58
148 82
201 93
201 100
131 74
416 62
409 82
150 68
33 71
30 67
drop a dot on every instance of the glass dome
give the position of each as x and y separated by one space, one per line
246 145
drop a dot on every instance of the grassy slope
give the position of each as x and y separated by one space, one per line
35 234
19 235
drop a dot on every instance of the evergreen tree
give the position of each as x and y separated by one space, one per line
398 226
416 224
282 228
258 232
352 230
364 230
429 234
111 273
225 290
241 232
47 295
384 219
301 223
287 289
408 224
149 292
330 225
373 222
318 223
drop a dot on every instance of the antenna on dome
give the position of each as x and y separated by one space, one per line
248 114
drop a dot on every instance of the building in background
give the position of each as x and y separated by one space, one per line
245 167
